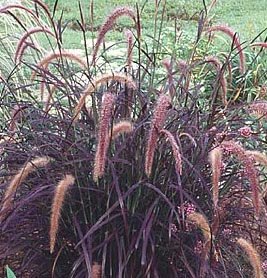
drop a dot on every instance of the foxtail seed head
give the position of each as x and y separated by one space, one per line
103 135
253 256
157 122
57 204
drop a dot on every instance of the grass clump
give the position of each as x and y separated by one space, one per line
154 166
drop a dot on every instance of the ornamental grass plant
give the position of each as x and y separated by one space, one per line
153 168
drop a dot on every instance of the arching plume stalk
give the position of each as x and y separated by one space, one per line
219 69
260 44
45 61
108 25
20 49
233 35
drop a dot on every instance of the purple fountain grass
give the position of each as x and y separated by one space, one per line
167 64
6 9
46 60
99 80
260 44
103 135
215 159
57 204
175 150
129 38
253 256
157 122
233 35
215 61
108 25
121 127
18 179
250 171
27 44
20 49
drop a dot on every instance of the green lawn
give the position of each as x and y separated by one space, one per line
247 17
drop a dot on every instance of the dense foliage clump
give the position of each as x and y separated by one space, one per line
155 168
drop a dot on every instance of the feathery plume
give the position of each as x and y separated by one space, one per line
157 122
121 127
46 60
175 150
103 135
233 35
215 159
108 25
201 221
253 256
218 66
129 37
20 49
250 171
19 178
118 77
96 270
57 204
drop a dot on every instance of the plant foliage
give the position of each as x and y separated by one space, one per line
144 165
